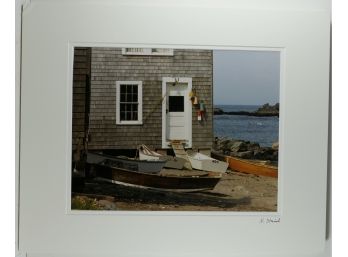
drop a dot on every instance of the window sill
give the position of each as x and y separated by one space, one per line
129 123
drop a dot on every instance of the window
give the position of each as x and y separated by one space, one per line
176 104
129 102
148 51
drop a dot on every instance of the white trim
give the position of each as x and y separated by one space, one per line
147 51
188 108
140 103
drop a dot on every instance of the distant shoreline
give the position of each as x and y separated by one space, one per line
265 110
246 113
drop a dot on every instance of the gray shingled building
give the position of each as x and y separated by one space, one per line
124 97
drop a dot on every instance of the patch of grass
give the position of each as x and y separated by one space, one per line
84 203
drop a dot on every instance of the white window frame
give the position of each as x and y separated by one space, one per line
147 51
140 103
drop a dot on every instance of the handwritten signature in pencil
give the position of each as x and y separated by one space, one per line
269 220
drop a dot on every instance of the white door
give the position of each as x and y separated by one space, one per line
177 111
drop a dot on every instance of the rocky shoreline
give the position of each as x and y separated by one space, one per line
245 149
265 110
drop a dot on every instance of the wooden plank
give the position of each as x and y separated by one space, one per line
179 151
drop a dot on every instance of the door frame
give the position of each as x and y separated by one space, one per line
188 109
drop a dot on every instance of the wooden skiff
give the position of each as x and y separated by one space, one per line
257 167
187 183
252 166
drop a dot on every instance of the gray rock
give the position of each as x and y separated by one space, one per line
218 111
266 153
230 144
244 149
253 146
245 155
239 146
269 109
275 146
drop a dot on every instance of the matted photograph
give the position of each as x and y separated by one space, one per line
162 129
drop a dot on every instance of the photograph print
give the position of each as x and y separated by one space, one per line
160 129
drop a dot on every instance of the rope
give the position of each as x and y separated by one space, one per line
153 109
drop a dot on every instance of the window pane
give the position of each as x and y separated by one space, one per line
123 89
129 89
135 98
129 98
135 115
134 89
122 107
122 116
176 103
128 115
123 97
134 107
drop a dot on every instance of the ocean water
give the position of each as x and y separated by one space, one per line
263 130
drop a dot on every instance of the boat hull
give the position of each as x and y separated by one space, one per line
157 181
203 162
175 163
251 167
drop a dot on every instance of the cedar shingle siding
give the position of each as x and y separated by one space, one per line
108 65
82 70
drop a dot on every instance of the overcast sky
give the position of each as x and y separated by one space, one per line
246 77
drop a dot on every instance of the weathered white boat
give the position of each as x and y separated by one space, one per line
201 161
171 162
146 154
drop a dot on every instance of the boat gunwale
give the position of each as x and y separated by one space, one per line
210 174
126 158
